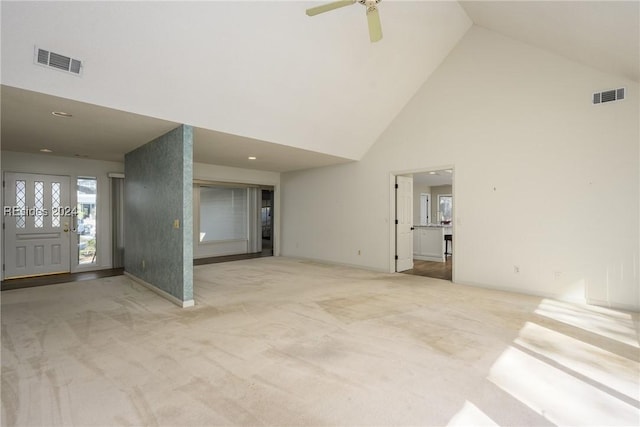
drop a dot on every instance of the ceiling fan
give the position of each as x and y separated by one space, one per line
373 17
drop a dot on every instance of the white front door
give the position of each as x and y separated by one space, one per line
36 220
404 223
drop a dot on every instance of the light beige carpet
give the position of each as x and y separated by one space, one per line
283 342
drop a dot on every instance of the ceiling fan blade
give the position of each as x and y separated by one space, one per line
375 28
329 6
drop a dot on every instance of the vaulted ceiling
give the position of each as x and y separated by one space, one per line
602 34
260 78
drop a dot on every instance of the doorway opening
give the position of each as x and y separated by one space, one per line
432 224
232 221
266 219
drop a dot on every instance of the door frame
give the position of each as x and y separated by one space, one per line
392 214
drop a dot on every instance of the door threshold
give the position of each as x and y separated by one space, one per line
56 279
226 258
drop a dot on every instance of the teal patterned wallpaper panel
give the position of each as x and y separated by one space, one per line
158 213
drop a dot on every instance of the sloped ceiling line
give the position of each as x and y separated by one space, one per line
272 83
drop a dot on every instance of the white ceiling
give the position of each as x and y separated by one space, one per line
28 126
230 150
262 70
433 178
93 131
602 34
261 78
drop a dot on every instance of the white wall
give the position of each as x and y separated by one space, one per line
228 174
73 167
533 161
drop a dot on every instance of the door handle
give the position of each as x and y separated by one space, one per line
412 228
66 227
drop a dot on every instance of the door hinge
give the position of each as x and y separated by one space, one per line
396 257
2 267
396 222
397 186
3 183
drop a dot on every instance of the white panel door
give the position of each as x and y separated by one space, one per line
36 224
404 224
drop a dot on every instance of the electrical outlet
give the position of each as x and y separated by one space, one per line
516 269
358 251
557 275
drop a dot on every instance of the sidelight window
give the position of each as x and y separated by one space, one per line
86 221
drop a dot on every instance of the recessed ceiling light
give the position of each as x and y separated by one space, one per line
62 114
45 150
432 173
449 170
252 158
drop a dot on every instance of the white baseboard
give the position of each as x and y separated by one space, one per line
607 304
166 295
559 297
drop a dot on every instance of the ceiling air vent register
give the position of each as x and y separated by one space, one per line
608 96
57 61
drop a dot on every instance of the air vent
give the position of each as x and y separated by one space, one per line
608 96
57 61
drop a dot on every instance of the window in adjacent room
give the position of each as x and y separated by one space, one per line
445 204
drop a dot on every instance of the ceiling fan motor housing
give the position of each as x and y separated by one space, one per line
369 3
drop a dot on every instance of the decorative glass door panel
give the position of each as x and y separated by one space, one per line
37 221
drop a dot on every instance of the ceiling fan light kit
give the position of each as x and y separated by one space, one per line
373 16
